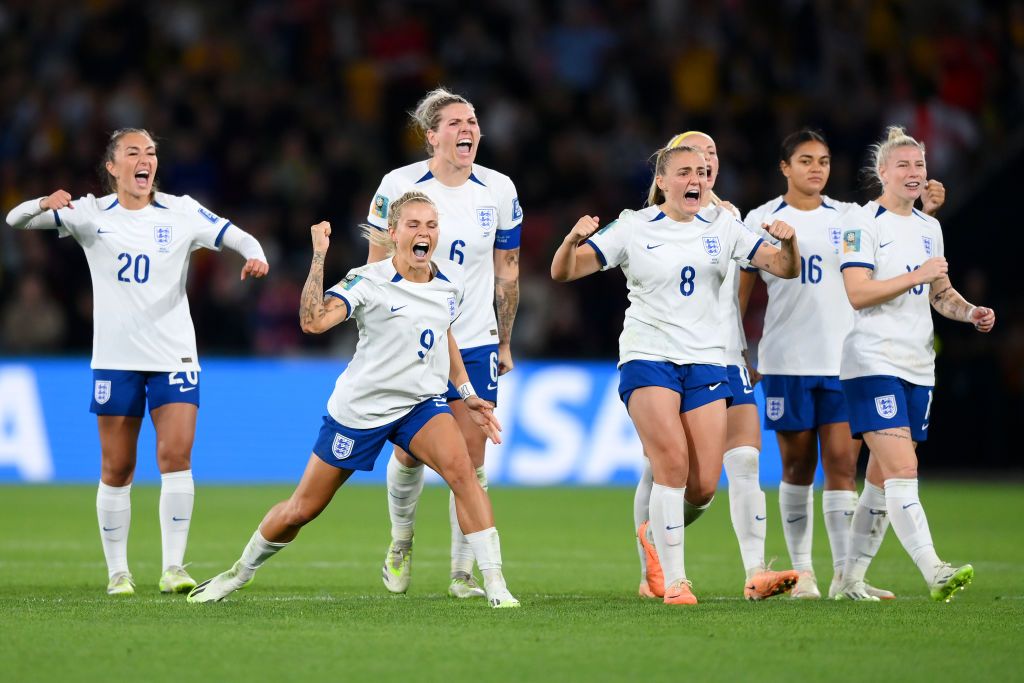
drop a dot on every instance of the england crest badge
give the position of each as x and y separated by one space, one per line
342 446
486 218
162 235
775 407
886 406
927 245
835 236
101 392
711 245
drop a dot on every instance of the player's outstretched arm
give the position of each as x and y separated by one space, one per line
37 214
318 313
480 411
249 247
782 261
574 259
864 292
506 302
951 304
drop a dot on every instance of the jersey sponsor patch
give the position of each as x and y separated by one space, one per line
101 392
342 446
350 281
379 208
208 215
775 407
835 236
162 235
486 217
928 245
517 211
886 406
851 241
712 245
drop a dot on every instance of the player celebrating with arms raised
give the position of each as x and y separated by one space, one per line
893 266
673 377
480 233
390 391
138 242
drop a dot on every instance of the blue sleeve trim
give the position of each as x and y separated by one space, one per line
856 264
56 217
348 304
757 246
600 254
508 239
220 235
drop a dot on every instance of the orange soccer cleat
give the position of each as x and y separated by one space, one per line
767 583
655 577
679 593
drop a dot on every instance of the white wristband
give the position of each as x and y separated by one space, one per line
466 390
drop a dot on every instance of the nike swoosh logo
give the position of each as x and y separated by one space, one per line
747 391
179 519
791 520
910 505
672 528
847 514
883 246
113 528
492 387
101 231
877 512
760 518
397 308
924 426
184 389
712 387
655 246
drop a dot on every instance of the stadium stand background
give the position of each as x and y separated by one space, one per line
278 114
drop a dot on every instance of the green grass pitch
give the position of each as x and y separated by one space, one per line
318 610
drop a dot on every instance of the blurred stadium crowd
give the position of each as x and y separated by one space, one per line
278 114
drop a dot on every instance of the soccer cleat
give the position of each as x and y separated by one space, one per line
856 591
397 570
645 590
176 580
679 593
806 587
121 583
465 586
498 597
948 580
767 583
220 586
655 577
837 584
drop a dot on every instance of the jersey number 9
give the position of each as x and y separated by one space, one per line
427 342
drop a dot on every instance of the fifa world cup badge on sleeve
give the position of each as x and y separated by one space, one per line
101 391
775 407
851 241
380 206
517 211
886 406
342 446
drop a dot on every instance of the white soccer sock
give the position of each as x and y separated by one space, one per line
870 520
667 527
462 553
405 484
796 503
747 505
911 524
257 551
177 493
838 508
642 511
114 512
487 551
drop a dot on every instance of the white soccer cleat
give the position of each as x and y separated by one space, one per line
856 591
176 580
220 586
121 583
465 586
948 580
498 597
837 584
806 587
397 570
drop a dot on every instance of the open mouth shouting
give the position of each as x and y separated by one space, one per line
142 179
420 250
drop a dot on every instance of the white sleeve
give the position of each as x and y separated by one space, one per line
356 291
377 215
28 216
745 242
209 227
611 243
510 218
239 240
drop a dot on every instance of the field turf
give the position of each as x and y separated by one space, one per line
318 610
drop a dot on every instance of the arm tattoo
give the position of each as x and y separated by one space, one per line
895 435
950 304
506 297
311 304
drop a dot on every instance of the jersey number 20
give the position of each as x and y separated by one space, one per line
141 270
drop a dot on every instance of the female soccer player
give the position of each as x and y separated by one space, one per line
391 391
482 219
893 265
743 437
673 378
806 321
138 242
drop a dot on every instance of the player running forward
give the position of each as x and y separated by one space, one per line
138 242
743 436
673 378
392 390
480 233
893 266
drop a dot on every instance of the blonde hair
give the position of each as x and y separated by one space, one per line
654 194
895 136
427 115
382 238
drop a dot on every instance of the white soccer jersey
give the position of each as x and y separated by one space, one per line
808 317
401 358
897 337
674 272
736 339
474 219
138 261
